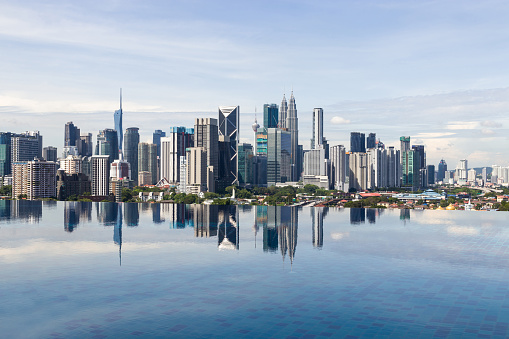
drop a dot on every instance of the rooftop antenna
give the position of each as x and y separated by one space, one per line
120 98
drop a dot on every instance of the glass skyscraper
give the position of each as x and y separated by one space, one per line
156 140
118 125
270 116
107 144
357 142
279 150
131 141
229 130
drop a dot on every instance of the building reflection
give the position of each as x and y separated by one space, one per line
107 213
404 214
205 220
117 231
131 214
28 211
287 231
317 216
359 215
71 215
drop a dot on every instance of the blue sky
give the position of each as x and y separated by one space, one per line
434 70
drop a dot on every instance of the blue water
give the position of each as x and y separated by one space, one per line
158 270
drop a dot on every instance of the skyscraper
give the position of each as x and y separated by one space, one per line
357 142
317 138
131 141
35 178
431 175
292 123
283 113
278 156
405 144
338 167
147 160
371 141
270 116
49 153
118 126
5 153
410 167
442 168
228 128
107 144
100 175
86 145
462 172
172 148
26 146
206 136
245 164
156 139
72 135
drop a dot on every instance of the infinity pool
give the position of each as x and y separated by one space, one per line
99 270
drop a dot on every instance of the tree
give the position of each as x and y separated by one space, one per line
444 203
126 194
6 190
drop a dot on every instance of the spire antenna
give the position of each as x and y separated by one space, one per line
120 98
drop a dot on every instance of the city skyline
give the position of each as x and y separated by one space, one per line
428 70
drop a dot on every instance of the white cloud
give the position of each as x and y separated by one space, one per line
461 125
487 131
491 124
339 121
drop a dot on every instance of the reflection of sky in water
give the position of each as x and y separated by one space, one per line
201 271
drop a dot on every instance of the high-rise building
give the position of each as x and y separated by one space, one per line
100 165
357 142
86 145
72 135
120 178
118 126
358 167
442 168
278 156
405 144
462 172
5 153
471 175
317 138
283 113
410 167
172 148
484 174
422 164
371 141
339 167
107 144
71 184
292 124
156 139
147 160
26 146
196 169
50 153
245 164
393 167
430 169
35 179
270 116
206 135
229 129
377 168
316 168
131 141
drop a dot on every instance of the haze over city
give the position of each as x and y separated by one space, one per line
431 70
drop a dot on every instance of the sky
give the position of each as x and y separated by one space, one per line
433 70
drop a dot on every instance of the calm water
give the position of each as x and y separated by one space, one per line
119 270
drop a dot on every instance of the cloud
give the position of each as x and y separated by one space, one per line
491 124
434 134
339 121
461 125
487 131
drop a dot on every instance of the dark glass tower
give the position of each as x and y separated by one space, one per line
270 116
156 140
131 141
442 168
107 144
357 142
229 131
371 141
72 135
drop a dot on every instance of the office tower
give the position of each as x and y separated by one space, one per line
430 169
206 135
107 144
72 135
86 145
410 167
196 170
118 126
228 128
49 153
278 156
156 139
35 179
442 168
292 123
261 141
371 141
393 167
255 127
358 168
245 164
462 172
338 167
357 142
72 184
405 144
317 216
484 175
260 171
100 165
377 168
172 148
147 160
131 141
422 164
5 153
86 166
317 138
26 146
270 116
72 164
283 113
182 188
